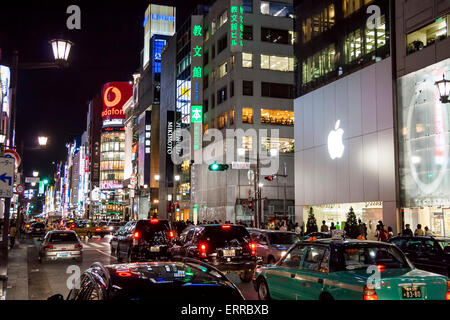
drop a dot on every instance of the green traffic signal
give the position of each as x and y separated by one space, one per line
218 167
45 181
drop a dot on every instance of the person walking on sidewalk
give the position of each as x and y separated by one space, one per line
12 235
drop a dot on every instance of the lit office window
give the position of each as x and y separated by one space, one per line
319 23
232 117
277 9
247 115
279 117
247 143
319 64
222 121
428 35
277 63
223 18
283 145
247 60
222 70
351 6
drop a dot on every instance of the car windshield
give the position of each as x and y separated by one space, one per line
283 238
220 236
444 243
63 237
356 257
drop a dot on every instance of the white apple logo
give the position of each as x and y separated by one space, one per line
335 145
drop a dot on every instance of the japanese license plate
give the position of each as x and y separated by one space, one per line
411 293
154 249
228 253
62 255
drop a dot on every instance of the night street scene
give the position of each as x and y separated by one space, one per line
196 154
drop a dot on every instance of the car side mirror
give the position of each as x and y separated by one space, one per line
56 297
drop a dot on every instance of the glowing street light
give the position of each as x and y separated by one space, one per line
177 178
61 49
35 174
444 89
42 140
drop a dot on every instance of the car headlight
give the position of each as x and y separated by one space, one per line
283 253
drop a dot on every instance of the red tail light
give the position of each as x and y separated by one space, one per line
226 226
381 268
447 297
72 226
154 220
67 229
98 229
48 247
370 293
78 246
171 234
124 272
136 235
253 248
202 250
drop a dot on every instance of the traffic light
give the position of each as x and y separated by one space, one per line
45 181
218 167
269 178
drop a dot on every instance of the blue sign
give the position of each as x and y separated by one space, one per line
163 17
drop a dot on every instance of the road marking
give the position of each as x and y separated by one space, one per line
34 270
106 254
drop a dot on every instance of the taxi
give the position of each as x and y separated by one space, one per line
88 228
344 269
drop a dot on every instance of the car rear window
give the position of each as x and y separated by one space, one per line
39 225
63 237
283 238
357 257
223 236
149 229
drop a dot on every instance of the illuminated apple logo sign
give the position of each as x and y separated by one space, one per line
335 145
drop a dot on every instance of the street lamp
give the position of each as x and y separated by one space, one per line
2 138
157 177
42 141
444 89
61 49
177 178
35 174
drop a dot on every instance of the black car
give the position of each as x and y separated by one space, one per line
114 241
229 248
426 253
143 241
150 281
37 229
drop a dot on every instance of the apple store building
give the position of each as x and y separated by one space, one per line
345 151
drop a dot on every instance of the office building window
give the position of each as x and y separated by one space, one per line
205 81
213 105
247 33
247 115
277 36
205 57
205 128
247 88
277 9
232 89
283 145
247 143
231 117
222 121
277 90
222 43
247 60
221 95
351 6
205 105
207 33
277 63
223 18
222 70
279 117
319 64
247 5
428 35
213 51
319 23
213 27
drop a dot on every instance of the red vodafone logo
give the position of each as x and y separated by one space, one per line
117 97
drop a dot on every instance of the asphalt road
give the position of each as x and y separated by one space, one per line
49 278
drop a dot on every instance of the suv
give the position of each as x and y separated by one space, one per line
426 253
229 248
145 240
271 245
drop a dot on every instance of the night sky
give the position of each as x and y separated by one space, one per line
54 102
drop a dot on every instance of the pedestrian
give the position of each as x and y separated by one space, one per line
428 232
407 231
382 233
12 234
362 229
338 227
297 229
391 232
332 227
283 226
419 232
324 227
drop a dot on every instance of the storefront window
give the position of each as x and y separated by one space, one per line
247 60
247 143
279 117
283 145
247 115
428 35
277 63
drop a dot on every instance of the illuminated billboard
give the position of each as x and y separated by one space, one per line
5 79
115 95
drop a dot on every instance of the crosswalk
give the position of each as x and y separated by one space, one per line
95 246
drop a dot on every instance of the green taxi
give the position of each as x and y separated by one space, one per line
330 269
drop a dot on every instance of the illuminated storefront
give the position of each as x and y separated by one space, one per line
424 137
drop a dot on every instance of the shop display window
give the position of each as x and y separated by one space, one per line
283 145
279 117
247 115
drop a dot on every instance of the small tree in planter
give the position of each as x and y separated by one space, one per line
351 225
311 224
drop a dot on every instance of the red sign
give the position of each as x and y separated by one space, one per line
20 188
86 165
115 94
13 154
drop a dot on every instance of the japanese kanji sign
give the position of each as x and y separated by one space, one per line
236 26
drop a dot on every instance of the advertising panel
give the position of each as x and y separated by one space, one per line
115 94
5 80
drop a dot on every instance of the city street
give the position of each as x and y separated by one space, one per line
49 278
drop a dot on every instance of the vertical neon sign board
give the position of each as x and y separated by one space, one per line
236 26
196 111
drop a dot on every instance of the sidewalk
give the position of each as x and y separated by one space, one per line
17 286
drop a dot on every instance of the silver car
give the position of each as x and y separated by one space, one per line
271 245
61 245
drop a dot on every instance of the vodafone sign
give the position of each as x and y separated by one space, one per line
115 94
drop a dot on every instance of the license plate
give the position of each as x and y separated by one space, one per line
228 253
38 229
62 255
411 293
154 249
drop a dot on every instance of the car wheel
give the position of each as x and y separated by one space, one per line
246 276
263 290
119 258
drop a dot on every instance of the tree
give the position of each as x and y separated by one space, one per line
351 225
311 224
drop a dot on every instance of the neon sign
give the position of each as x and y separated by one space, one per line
236 27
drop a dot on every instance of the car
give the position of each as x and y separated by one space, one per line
114 224
271 245
426 253
227 247
344 269
147 239
150 281
61 245
88 228
37 229
113 242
